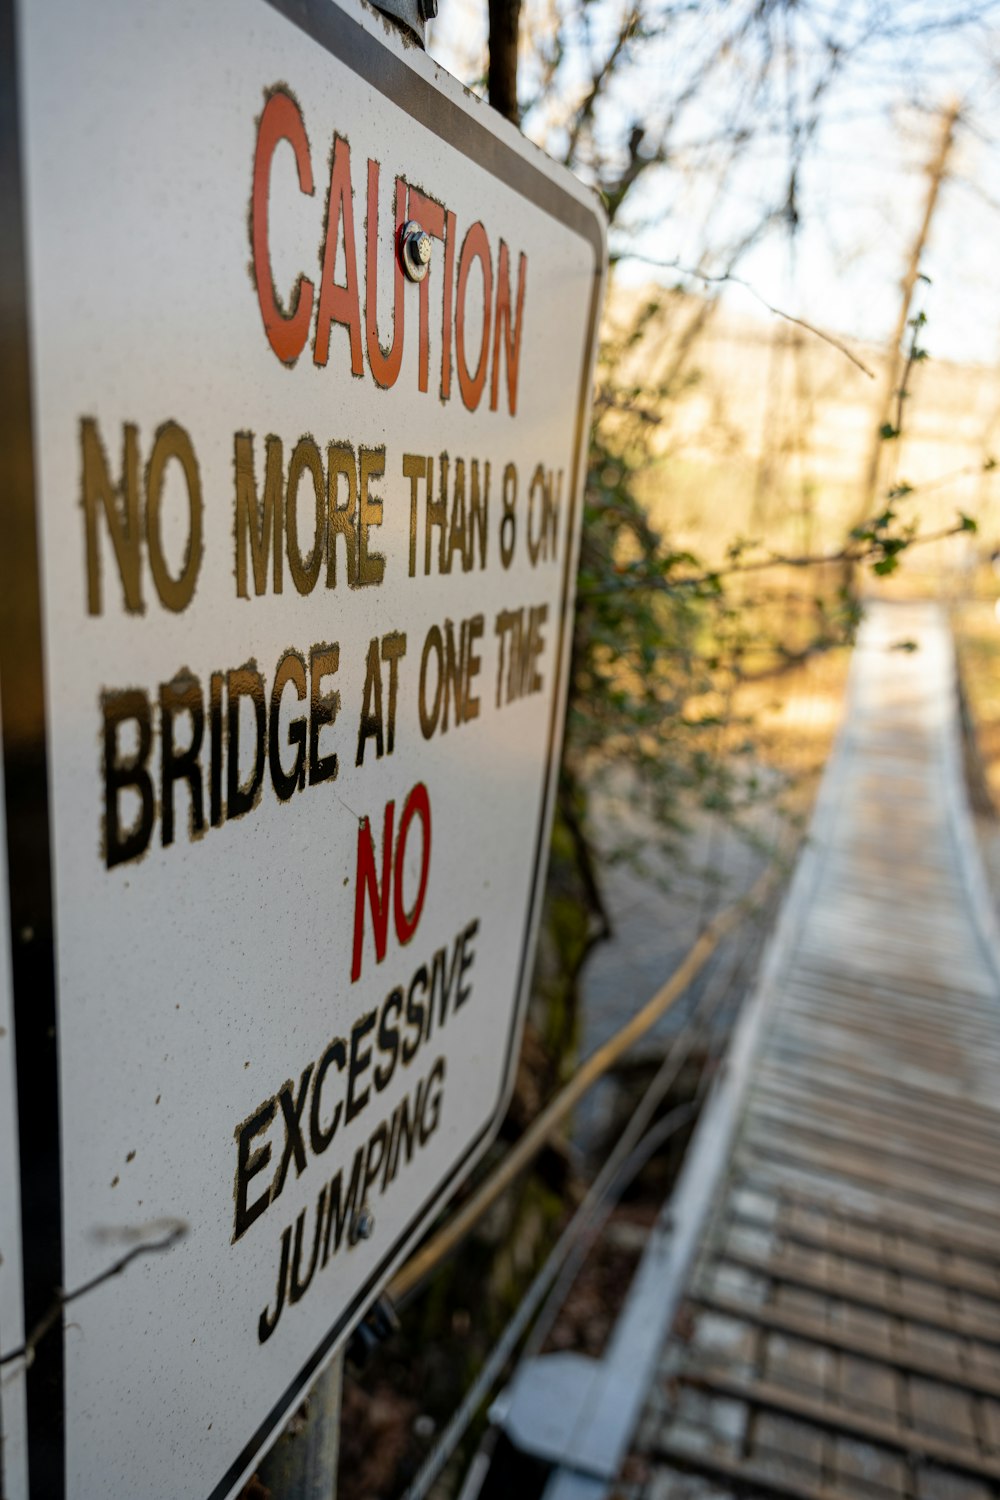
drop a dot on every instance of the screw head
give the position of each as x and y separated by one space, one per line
363 1225
415 250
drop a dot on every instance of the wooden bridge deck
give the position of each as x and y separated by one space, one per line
838 1323
817 1312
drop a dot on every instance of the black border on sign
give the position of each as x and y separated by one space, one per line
29 865
22 699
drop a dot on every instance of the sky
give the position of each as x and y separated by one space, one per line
855 88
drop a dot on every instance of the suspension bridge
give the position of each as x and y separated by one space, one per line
817 1311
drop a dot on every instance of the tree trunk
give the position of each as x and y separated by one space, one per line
505 21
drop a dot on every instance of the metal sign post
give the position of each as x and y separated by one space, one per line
297 340
302 1464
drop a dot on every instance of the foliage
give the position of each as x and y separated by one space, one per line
664 640
666 635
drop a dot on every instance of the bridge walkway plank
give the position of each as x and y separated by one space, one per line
838 1333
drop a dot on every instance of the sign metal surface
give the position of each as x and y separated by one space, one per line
286 593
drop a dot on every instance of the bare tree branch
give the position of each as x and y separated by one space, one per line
820 333
599 78
847 553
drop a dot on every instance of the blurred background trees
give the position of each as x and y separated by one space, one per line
794 189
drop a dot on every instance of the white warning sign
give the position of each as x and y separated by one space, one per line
299 371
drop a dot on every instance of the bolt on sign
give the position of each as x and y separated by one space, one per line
297 342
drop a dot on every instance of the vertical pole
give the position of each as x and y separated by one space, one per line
505 20
936 169
302 1465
